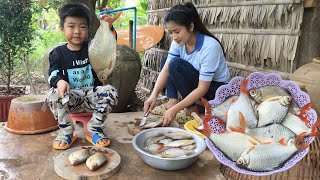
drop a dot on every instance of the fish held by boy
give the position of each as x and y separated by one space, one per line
103 48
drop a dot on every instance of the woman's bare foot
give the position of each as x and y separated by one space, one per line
170 103
191 109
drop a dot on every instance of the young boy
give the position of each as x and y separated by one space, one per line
74 85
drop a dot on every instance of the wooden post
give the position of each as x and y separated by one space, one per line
309 3
131 33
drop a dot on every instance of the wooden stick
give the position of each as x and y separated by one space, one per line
257 31
236 4
284 75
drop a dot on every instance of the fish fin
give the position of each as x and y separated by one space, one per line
242 122
222 131
298 141
110 64
244 85
234 99
282 142
253 141
236 129
249 149
314 129
227 116
267 142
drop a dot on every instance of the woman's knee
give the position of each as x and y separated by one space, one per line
174 64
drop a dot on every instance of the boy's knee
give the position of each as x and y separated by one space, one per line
108 94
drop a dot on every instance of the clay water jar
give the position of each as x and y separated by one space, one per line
27 115
308 78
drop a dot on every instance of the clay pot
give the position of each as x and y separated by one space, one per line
308 78
27 115
5 106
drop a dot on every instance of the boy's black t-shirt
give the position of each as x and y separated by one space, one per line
72 66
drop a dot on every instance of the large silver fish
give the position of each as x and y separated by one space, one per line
266 92
268 157
273 110
102 49
231 144
241 105
273 133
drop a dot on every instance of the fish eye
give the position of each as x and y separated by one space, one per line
253 92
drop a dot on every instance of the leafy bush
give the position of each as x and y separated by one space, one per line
16 34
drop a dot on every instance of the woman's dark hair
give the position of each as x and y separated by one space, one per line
75 10
184 14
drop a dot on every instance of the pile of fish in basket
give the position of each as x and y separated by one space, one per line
259 125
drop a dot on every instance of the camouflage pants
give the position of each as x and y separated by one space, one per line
98 100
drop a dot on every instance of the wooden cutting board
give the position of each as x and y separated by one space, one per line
65 170
134 128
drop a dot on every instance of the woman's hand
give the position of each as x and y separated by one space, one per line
168 116
63 87
149 104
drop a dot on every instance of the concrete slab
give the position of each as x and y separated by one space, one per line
31 156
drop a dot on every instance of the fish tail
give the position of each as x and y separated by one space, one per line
204 131
207 107
314 129
236 129
303 113
161 148
244 85
116 17
298 141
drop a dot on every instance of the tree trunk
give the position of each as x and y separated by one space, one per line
95 22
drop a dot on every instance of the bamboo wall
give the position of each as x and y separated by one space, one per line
257 35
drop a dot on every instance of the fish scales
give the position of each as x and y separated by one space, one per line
271 133
266 157
295 124
232 144
273 110
243 105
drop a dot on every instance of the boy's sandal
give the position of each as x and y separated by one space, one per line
65 138
96 137
182 117
158 110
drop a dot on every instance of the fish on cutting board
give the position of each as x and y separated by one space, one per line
79 157
96 161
